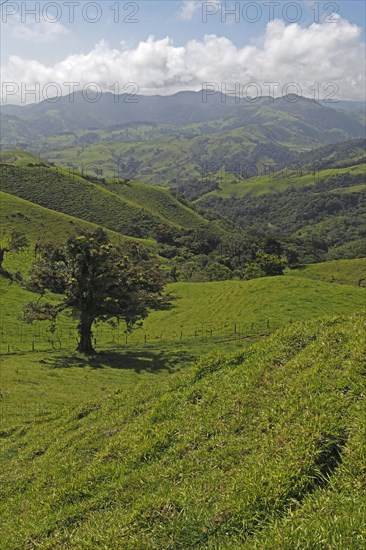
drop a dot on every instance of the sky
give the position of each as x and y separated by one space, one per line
313 48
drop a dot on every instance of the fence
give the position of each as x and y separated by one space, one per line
19 337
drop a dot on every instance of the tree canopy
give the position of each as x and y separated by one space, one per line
16 242
99 281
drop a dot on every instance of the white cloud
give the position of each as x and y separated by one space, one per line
189 8
41 32
320 53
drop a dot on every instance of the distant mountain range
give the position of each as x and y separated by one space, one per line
174 140
76 112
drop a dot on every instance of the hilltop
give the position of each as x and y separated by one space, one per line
349 272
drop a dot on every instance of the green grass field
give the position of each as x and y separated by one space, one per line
262 448
210 313
348 272
280 181
204 317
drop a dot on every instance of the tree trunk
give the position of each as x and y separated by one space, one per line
85 334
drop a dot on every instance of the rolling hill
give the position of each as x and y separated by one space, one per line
348 272
183 285
42 224
127 208
214 314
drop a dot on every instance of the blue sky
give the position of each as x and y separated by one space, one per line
160 18
48 47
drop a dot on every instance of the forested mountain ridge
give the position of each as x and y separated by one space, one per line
172 140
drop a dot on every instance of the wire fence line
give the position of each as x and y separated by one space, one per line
20 337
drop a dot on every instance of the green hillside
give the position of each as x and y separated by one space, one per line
214 314
41 224
160 201
262 448
17 157
274 299
349 272
72 194
327 214
230 186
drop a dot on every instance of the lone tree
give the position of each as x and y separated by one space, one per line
15 243
99 281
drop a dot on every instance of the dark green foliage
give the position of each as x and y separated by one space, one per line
265 265
316 218
16 242
99 281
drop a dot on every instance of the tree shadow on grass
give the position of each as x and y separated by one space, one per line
139 361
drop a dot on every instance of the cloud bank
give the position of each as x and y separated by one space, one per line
320 53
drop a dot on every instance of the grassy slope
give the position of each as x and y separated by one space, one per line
17 157
33 384
40 224
280 181
349 272
263 448
161 201
198 309
71 194
277 299
45 378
